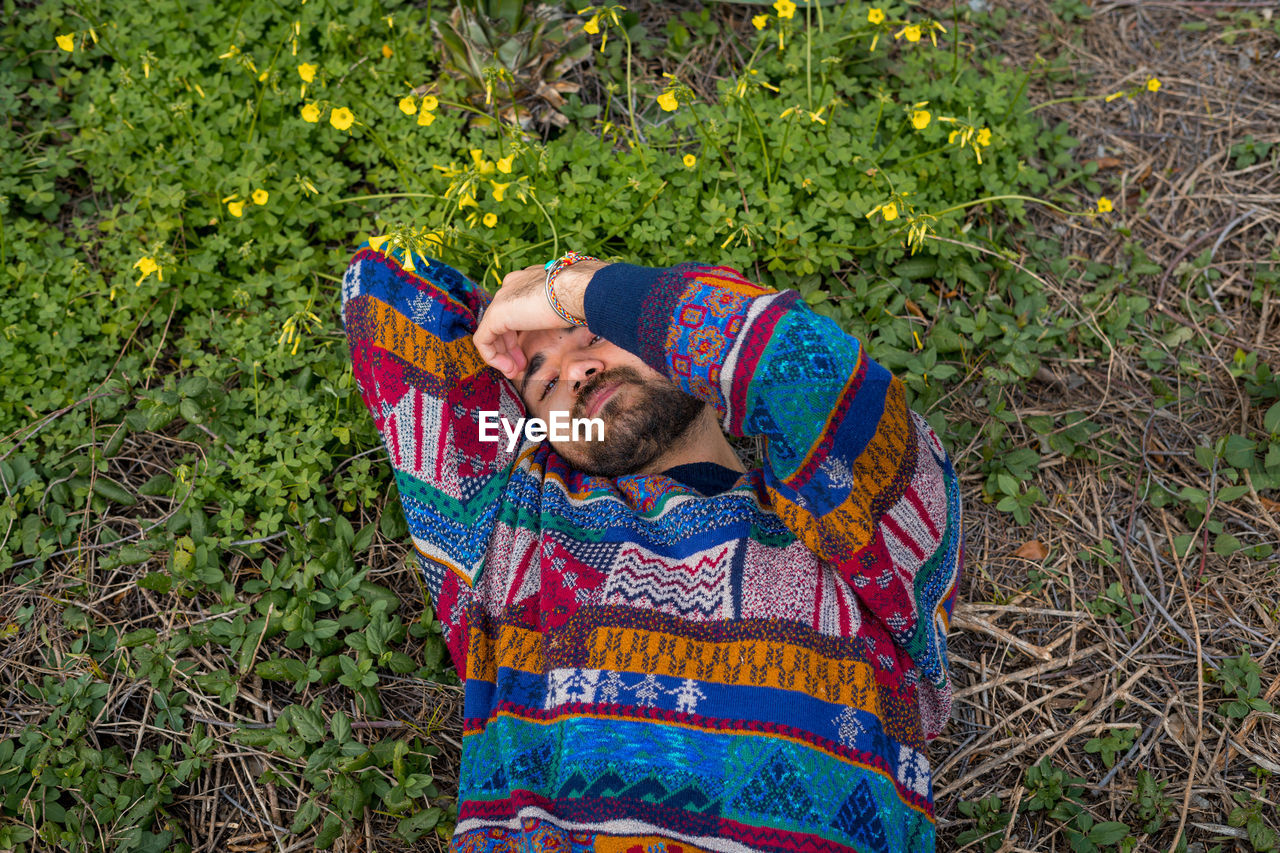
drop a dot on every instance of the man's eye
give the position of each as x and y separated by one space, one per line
547 389
593 340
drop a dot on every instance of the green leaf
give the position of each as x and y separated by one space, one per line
159 582
280 669
305 816
340 725
363 539
416 825
392 523
329 832
131 555
346 533
309 724
1239 451
1232 492
142 636
1109 832
190 411
1224 545
1271 420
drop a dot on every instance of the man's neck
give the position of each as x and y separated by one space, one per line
704 442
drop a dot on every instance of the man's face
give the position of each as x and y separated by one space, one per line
575 371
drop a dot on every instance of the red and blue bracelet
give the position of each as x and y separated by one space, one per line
554 268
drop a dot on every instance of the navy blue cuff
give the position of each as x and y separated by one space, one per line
614 301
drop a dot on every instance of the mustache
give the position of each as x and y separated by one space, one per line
622 375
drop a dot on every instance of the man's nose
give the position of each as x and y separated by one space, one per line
582 367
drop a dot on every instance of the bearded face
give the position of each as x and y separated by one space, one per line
644 413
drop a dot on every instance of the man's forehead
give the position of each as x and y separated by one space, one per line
540 338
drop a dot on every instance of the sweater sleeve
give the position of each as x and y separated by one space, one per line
858 477
425 385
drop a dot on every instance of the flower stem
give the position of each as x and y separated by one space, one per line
355 198
808 57
631 111
955 42
764 149
978 201
555 236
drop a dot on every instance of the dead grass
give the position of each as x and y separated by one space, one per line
1036 674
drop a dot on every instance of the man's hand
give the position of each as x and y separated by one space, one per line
520 305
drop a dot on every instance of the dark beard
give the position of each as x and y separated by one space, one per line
656 421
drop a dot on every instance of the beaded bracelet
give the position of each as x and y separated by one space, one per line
554 268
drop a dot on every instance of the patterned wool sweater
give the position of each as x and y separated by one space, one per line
649 667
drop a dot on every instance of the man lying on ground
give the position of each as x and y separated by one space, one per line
663 649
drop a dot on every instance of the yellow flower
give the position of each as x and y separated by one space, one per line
490 220
911 31
386 51
1153 85
311 113
1113 96
66 41
1104 205
147 266
307 72
889 210
951 137
236 208
485 167
260 196
430 102
668 102
592 26
408 105
690 161
376 243
875 16
984 136
341 118
504 164
785 8
934 28
760 21
425 116
466 200
920 119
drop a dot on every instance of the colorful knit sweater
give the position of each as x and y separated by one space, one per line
648 667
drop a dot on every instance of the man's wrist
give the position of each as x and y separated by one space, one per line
571 286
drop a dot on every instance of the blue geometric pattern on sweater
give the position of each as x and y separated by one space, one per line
608 758
690 525
778 790
445 523
859 818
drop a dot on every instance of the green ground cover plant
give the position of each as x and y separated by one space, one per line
195 501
